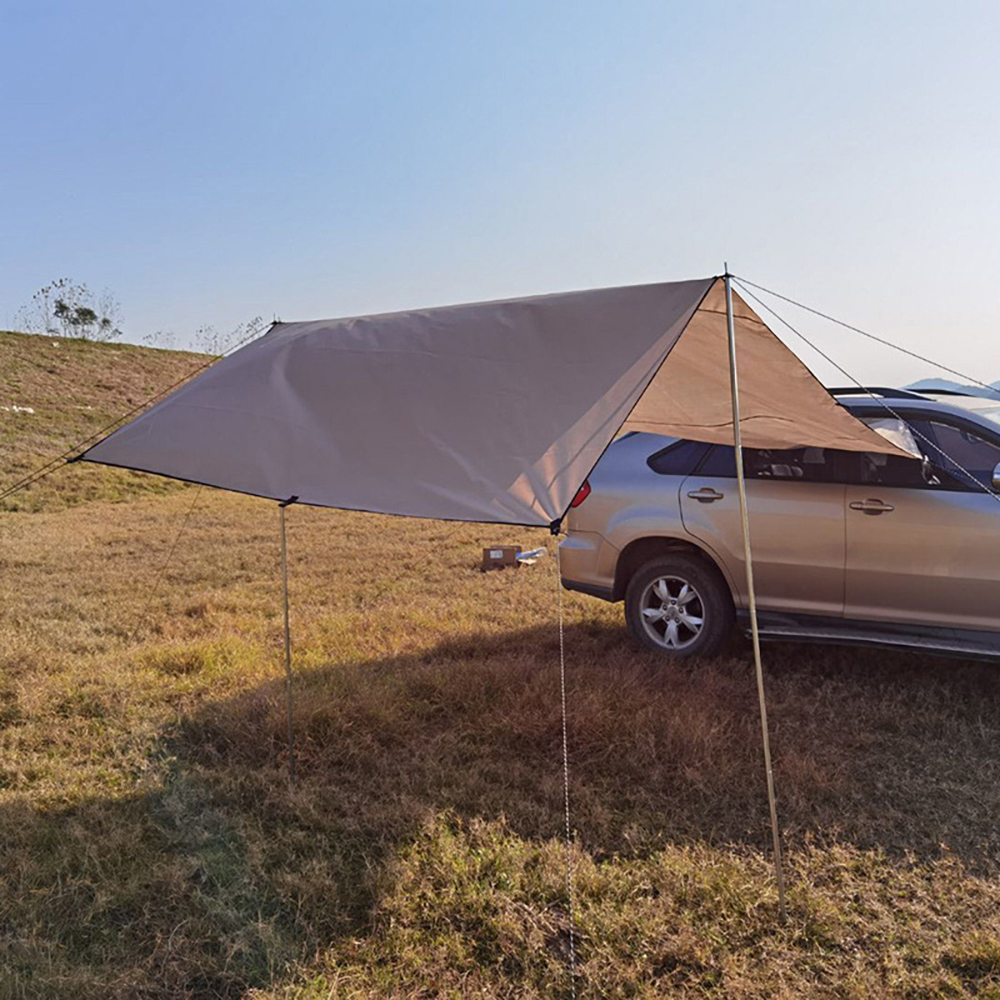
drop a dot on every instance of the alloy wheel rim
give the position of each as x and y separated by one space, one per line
672 611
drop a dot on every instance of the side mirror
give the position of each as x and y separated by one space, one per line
996 478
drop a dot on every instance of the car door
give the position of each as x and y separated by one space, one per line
923 543
796 514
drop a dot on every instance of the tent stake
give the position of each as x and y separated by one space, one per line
751 597
288 641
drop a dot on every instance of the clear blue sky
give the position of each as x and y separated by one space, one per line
216 160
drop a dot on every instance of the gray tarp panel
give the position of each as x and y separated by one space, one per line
492 412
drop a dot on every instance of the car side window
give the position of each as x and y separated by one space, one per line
807 465
961 447
678 459
719 463
967 459
876 469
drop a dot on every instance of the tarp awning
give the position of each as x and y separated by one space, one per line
492 412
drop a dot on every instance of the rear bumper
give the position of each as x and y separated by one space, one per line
592 589
588 564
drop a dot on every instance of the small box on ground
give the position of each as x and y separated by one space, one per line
499 556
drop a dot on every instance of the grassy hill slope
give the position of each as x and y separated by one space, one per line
152 845
55 392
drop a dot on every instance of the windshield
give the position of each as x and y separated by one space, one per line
991 413
988 409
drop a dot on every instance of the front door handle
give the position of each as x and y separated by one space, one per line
705 495
871 506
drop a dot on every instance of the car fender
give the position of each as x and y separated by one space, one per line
660 527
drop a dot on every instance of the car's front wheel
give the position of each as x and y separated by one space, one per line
679 605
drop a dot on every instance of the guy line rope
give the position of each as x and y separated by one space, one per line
163 568
862 390
68 455
565 765
743 282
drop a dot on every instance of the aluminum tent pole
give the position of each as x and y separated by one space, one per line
288 640
751 596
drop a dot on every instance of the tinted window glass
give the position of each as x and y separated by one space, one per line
720 462
968 459
809 465
678 459
961 446
882 470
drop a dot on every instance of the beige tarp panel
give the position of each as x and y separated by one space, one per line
782 404
492 412
486 412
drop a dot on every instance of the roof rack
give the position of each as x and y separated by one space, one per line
956 392
875 390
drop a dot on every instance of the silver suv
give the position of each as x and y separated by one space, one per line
847 547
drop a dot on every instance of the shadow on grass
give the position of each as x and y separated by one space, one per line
879 749
889 751
208 888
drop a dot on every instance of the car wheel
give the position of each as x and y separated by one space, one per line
681 606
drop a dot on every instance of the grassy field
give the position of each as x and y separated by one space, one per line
152 846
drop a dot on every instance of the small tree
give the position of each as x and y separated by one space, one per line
65 309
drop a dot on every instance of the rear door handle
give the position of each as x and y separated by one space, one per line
871 506
705 495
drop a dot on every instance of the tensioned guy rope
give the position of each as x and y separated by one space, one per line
68 455
565 763
867 392
166 563
856 329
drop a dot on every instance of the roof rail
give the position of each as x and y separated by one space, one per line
955 392
875 390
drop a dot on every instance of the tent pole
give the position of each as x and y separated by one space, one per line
288 641
751 596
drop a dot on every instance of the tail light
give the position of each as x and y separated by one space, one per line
581 494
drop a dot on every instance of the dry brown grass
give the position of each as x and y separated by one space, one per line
153 847
74 388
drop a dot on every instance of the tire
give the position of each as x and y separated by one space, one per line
679 606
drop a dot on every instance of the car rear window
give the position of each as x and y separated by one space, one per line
678 459
721 462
